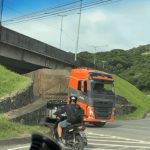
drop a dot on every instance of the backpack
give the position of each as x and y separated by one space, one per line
76 115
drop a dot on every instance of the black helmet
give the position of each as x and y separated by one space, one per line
73 99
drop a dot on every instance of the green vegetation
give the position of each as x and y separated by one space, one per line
146 53
9 128
134 96
132 65
11 83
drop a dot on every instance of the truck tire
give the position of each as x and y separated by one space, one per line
99 124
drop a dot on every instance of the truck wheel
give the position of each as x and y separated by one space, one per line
99 124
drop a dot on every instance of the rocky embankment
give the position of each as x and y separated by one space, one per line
24 108
123 106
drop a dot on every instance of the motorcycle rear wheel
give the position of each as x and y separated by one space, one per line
79 144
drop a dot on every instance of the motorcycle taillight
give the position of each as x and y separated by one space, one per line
83 128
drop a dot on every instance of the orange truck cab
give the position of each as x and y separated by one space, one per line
95 92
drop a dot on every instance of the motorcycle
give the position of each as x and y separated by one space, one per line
73 136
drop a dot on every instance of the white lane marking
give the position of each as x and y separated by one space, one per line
88 148
97 134
19 147
96 149
63 148
135 141
110 145
116 137
119 141
122 148
112 137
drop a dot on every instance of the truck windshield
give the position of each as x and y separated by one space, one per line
97 86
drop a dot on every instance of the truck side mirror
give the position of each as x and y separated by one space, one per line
82 86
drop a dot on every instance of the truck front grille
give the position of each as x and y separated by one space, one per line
103 110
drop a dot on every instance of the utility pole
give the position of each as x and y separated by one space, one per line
78 31
1 11
61 28
95 50
103 63
94 54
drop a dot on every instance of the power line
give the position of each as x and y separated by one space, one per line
64 4
95 4
104 4
71 39
51 8
55 11
89 4
42 17
38 17
57 14
53 27
37 20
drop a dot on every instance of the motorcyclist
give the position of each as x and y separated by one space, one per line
66 109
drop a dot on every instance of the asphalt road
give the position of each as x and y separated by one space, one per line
118 135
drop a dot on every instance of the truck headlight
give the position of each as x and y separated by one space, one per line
114 111
91 111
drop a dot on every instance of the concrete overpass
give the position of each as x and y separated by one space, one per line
23 54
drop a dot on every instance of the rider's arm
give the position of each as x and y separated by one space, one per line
63 108
60 111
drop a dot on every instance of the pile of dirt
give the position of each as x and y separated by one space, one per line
51 84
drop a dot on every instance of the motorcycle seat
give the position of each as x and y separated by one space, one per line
74 125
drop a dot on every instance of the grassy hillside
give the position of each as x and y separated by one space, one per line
133 95
11 83
9 129
132 65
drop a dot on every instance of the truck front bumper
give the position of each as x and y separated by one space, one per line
97 120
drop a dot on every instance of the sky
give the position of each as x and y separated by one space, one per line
121 25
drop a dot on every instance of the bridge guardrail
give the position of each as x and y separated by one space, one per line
22 41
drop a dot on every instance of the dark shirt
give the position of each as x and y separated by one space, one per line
68 110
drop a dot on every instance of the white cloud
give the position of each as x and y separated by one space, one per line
120 27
